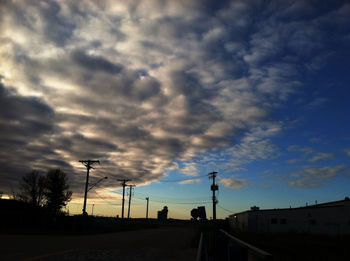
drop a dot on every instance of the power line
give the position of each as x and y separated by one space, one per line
169 202
157 201
161 197
178 201
109 202
117 192
232 212
175 203
171 198
96 183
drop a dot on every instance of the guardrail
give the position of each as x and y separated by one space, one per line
221 246
202 254
240 250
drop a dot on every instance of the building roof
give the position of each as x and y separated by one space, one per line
337 203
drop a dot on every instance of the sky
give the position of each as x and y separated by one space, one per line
165 92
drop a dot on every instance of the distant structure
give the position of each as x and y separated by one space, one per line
163 214
199 213
327 218
194 213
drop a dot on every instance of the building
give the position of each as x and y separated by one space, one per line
326 218
202 213
199 213
162 215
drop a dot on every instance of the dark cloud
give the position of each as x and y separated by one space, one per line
26 123
95 63
188 85
23 115
20 17
58 28
85 147
156 47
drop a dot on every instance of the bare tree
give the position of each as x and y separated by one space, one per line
57 191
32 188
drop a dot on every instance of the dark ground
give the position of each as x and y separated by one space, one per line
164 243
300 247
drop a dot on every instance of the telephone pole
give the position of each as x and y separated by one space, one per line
130 193
124 185
213 188
88 164
147 207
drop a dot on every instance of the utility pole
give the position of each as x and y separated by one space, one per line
130 192
147 207
214 187
93 205
88 164
124 185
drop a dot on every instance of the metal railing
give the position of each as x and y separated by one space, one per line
240 250
221 246
201 252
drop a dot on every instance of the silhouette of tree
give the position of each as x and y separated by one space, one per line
57 191
32 188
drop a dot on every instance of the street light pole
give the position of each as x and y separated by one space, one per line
147 207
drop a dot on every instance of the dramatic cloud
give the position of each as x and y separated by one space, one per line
190 169
144 85
26 126
254 145
234 183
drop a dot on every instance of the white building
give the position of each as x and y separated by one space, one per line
325 218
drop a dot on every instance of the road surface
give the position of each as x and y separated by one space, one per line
167 243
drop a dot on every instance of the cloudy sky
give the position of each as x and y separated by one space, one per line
164 92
